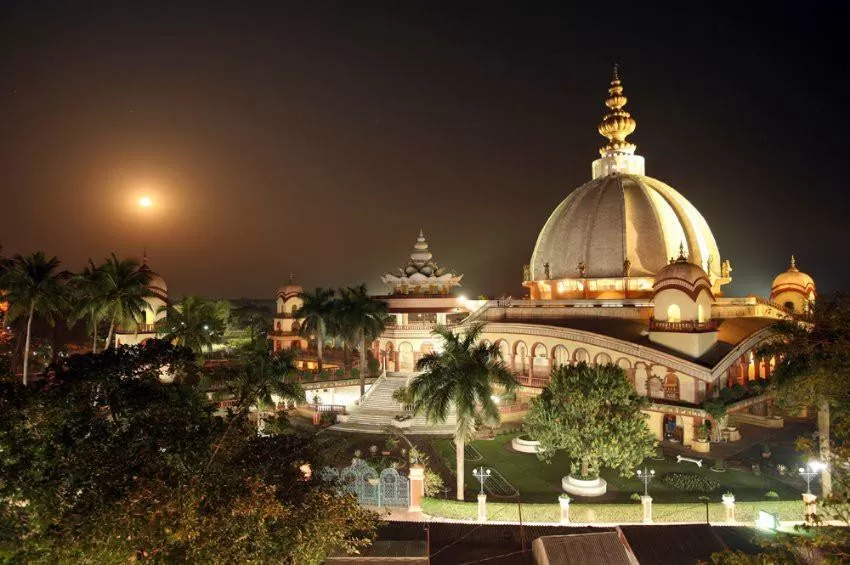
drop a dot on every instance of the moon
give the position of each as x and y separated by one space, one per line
145 201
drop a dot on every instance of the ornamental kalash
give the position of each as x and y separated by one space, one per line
625 271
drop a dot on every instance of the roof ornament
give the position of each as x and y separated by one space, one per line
793 266
617 124
291 278
681 258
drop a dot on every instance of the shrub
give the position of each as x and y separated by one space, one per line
771 495
690 482
340 373
635 496
355 373
433 483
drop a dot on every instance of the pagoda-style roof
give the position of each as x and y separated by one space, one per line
421 275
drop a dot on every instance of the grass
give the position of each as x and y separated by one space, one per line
541 482
584 512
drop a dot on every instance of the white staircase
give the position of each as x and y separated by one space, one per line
377 410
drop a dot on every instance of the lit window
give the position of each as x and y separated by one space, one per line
674 314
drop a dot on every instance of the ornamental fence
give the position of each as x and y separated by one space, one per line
388 489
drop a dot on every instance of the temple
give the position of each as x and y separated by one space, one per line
625 271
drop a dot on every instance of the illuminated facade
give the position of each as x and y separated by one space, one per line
286 332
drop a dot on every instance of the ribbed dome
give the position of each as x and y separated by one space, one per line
794 279
618 217
683 275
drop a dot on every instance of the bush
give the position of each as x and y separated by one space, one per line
690 482
433 483
355 373
635 496
340 373
771 495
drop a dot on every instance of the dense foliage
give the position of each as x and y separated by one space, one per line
594 414
105 462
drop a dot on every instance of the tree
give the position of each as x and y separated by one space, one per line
316 311
126 287
107 463
195 323
813 366
594 414
252 318
34 286
367 318
260 377
461 377
89 298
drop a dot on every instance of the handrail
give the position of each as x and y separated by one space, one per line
691 326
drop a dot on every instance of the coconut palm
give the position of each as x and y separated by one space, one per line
317 311
33 285
367 318
195 323
89 297
462 377
126 287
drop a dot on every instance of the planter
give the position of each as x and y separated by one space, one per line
525 445
701 446
584 487
732 434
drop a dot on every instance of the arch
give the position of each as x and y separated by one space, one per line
671 386
674 313
560 356
655 387
521 357
580 355
539 350
277 325
602 359
405 357
624 363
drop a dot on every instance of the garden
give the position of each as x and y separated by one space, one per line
539 482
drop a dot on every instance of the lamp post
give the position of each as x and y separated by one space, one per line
646 475
811 471
482 474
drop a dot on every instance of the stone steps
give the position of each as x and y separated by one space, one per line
378 410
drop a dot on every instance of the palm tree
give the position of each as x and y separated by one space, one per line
126 286
368 319
261 377
316 311
33 285
195 323
89 296
461 376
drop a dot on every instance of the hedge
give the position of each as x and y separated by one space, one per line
588 512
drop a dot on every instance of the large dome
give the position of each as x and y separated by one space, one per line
621 217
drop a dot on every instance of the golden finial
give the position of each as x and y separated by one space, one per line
793 265
617 123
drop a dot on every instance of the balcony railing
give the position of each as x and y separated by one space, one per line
683 327
418 325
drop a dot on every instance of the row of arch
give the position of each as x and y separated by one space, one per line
539 360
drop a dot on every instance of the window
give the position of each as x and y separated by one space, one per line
700 313
674 314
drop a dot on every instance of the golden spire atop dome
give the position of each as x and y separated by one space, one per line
617 123
793 266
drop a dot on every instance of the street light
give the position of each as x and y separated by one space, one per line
482 475
647 476
812 470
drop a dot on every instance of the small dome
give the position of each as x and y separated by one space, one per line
683 275
792 279
290 289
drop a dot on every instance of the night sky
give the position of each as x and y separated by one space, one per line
318 137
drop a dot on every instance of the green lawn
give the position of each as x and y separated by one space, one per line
541 482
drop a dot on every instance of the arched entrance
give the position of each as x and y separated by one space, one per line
405 357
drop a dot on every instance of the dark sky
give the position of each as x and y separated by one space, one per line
318 137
